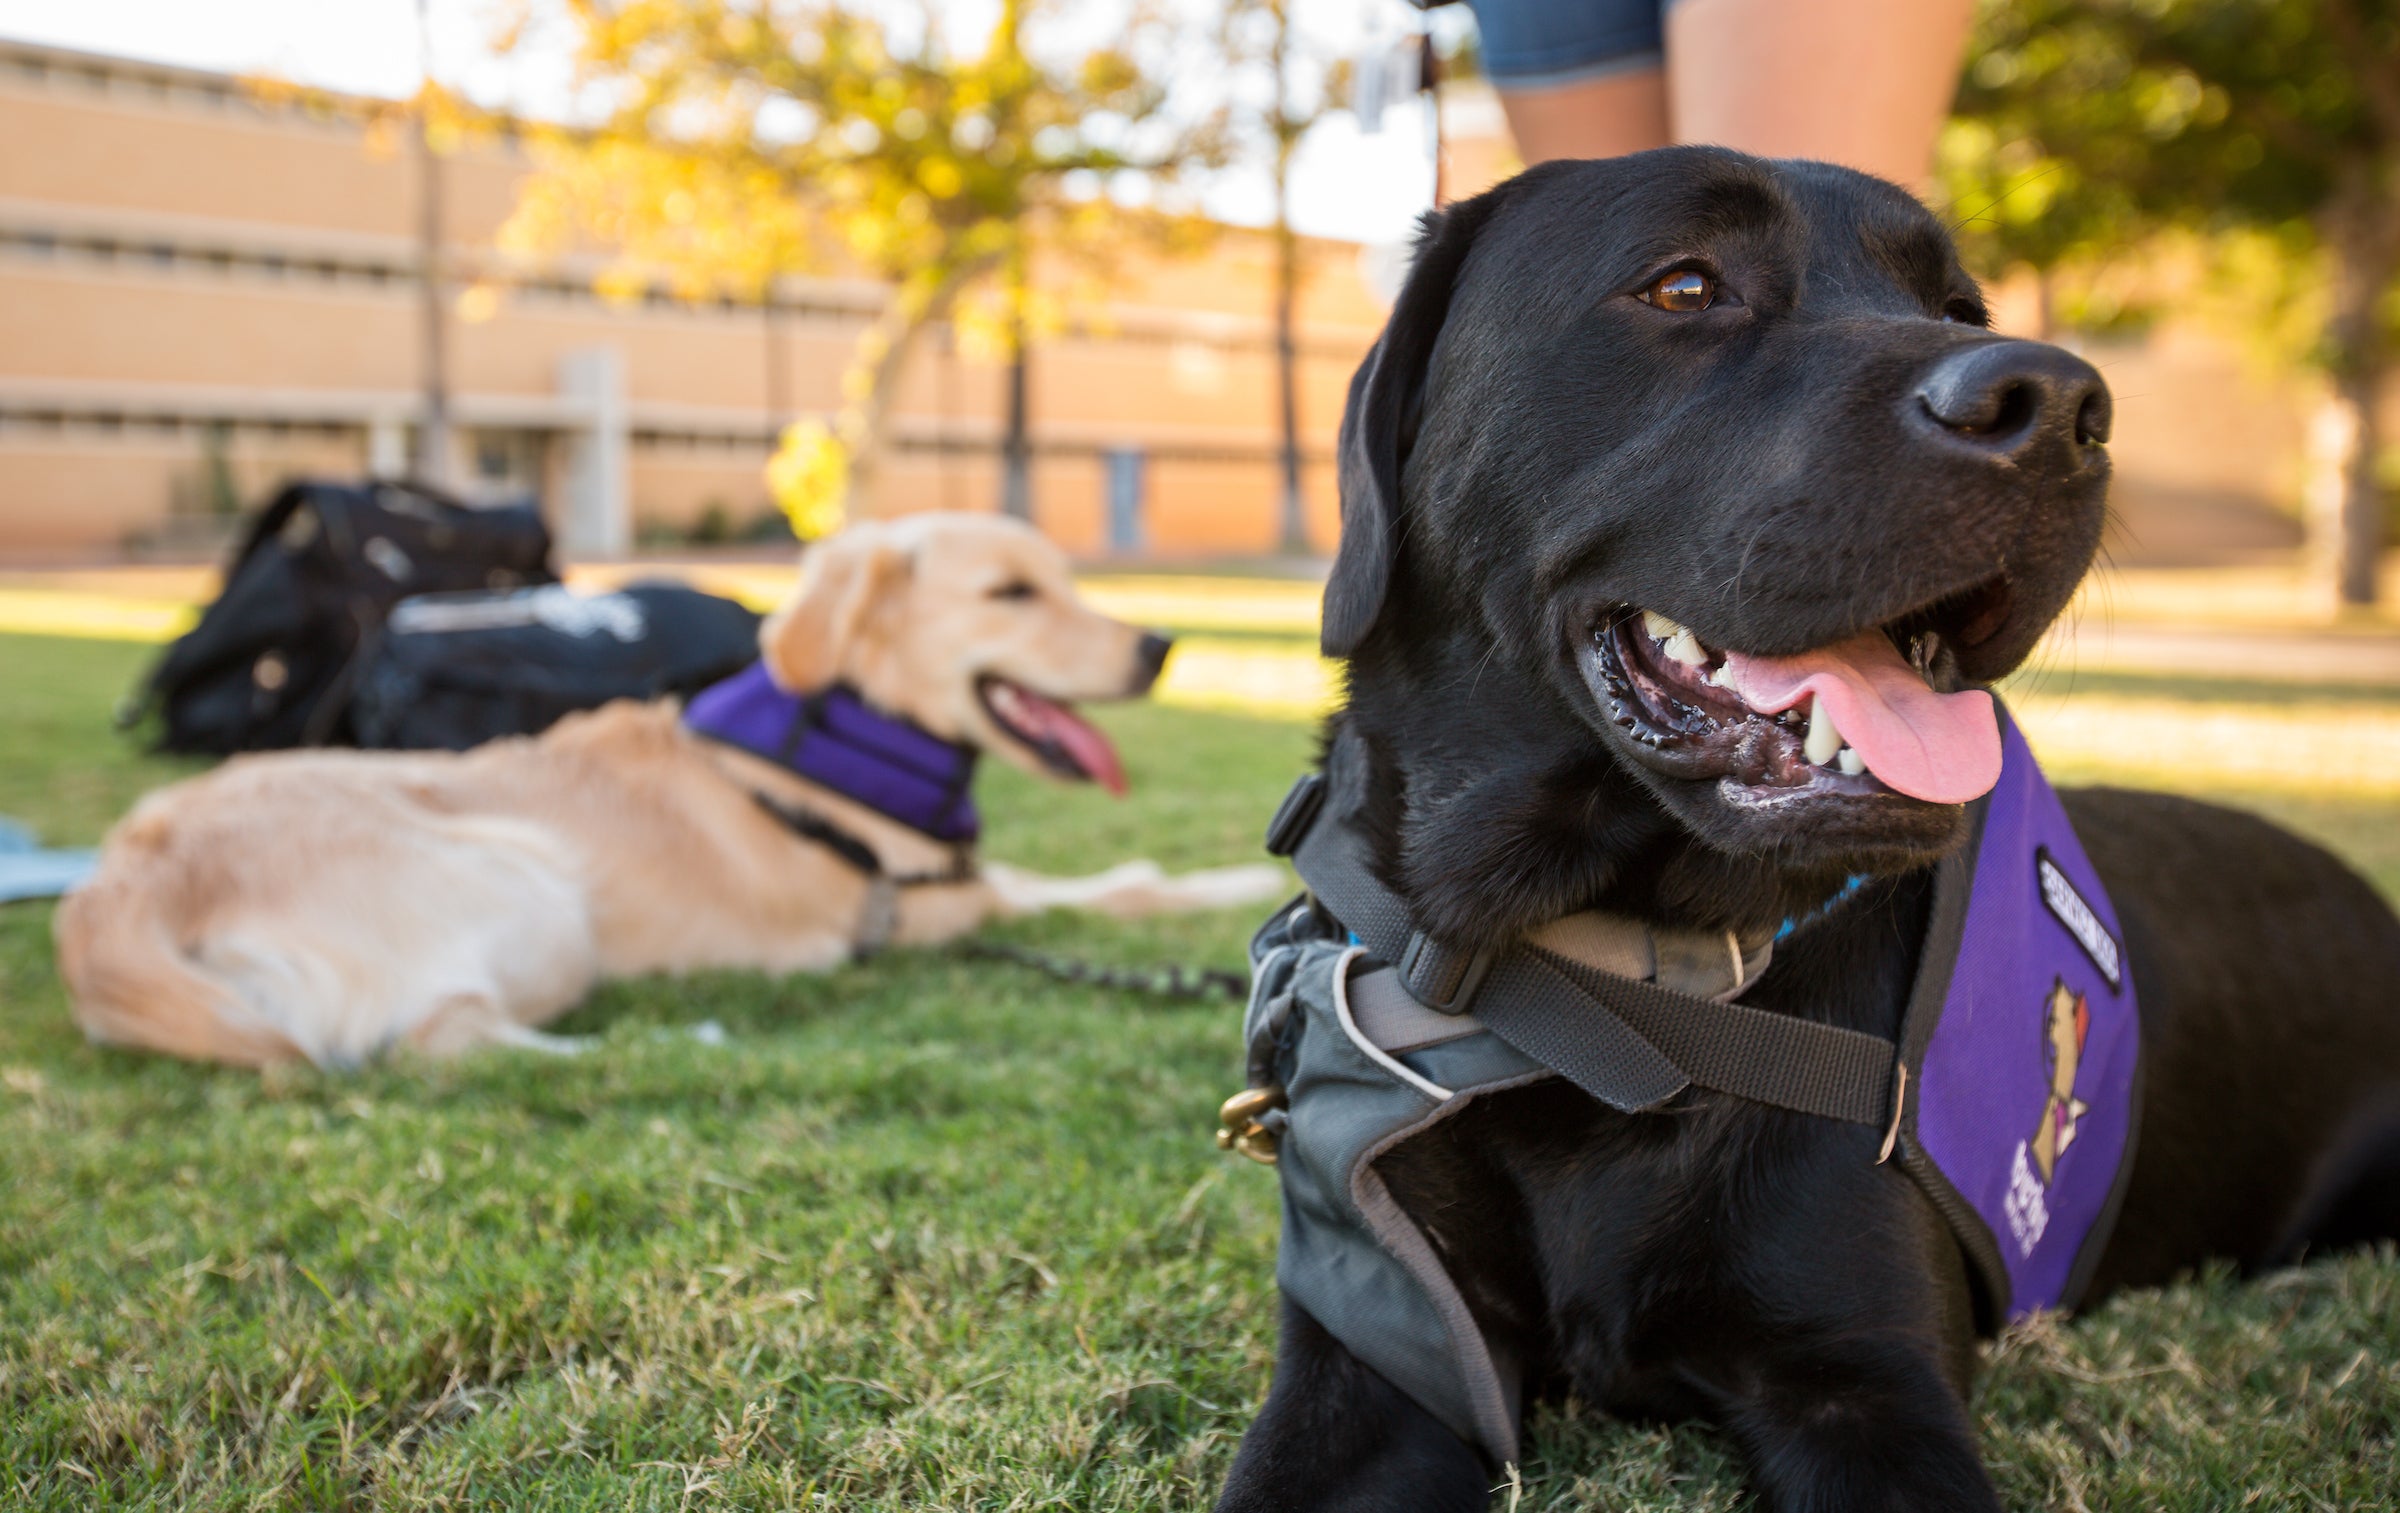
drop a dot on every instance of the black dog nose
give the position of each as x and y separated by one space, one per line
1149 655
2010 397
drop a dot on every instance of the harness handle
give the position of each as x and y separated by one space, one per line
1630 1043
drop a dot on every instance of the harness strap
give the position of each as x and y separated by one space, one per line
1537 1008
879 916
1758 1054
809 825
1629 1043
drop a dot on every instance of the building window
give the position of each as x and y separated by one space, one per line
491 458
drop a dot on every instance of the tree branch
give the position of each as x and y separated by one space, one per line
2377 77
877 366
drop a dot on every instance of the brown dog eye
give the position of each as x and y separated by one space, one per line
1682 292
1017 590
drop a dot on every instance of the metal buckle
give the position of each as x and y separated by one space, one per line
878 918
1443 980
1251 1122
1295 814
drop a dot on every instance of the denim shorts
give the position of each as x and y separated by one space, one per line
1540 44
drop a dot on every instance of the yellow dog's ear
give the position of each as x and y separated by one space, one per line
808 640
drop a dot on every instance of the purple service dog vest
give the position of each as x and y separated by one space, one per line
837 739
2024 1039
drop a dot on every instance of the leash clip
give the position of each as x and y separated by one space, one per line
1252 1122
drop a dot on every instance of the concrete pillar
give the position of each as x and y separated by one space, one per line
387 447
1128 494
595 516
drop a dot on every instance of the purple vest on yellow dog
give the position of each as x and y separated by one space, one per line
2010 1096
834 737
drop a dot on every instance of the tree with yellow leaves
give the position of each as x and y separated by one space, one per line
1294 89
745 140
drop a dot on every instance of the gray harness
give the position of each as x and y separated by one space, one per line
1331 1023
2020 1039
1343 988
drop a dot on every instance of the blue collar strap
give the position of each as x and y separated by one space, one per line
837 740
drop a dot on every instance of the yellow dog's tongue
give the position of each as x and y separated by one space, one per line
1086 746
1943 748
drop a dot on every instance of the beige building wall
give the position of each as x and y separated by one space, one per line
203 290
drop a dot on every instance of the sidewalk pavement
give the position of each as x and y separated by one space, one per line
2207 651
2156 623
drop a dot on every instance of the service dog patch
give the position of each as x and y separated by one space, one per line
2065 1028
2068 905
2026 1090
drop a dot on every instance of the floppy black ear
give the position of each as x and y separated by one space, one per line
1379 425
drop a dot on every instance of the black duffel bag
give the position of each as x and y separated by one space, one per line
455 670
273 660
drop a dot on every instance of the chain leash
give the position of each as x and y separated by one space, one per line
1172 980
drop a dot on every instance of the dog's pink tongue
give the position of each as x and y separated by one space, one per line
1943 748
1090 749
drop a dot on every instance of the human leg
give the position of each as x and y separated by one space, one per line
1591 118
1865 83
1577 78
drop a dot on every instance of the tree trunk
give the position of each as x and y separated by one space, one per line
875 368
433 435
2345 497
2343 504
1016 449
1287 375
1294 534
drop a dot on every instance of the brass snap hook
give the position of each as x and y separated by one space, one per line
1242 1123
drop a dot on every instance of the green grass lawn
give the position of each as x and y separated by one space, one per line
919 1234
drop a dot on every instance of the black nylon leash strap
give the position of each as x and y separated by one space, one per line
1629 1043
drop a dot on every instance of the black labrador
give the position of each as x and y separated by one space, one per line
1760 399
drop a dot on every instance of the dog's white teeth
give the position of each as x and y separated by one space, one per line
1823 740
1676 640
1851 763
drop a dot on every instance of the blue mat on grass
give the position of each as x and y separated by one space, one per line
29 871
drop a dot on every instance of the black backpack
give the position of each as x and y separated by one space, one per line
454 670
273 660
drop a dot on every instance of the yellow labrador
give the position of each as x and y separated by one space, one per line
330 905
